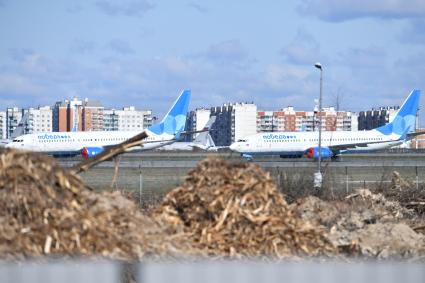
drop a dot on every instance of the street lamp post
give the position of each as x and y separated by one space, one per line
318 175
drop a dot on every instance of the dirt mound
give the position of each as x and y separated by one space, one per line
46 210
236 210
380 240
221 210
379 201
365 224
315 210
400 183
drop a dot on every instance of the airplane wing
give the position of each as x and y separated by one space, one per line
206 128
339 147
4 142
410 136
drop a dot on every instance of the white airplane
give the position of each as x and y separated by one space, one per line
202 141
298 144
89 144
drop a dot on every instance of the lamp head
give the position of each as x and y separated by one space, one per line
318 65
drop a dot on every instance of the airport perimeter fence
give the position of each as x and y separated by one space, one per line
148 181
344 180
209 272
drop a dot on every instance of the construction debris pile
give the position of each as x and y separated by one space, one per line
366 225
407 193
236 210
221 210
47 211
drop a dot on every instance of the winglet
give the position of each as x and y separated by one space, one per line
174 122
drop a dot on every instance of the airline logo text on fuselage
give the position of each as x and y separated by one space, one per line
278 137
53 137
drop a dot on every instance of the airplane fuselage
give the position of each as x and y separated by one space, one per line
297 143
58 143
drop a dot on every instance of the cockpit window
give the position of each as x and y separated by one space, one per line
242 140
17 140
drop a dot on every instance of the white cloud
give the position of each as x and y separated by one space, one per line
414 33
130 8
229 52
279 77
365 58
17 84
74 7
120 47
82 46
343 10
303 49
198 7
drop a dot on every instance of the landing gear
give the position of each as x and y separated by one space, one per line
335 157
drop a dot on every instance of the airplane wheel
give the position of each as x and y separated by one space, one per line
336 158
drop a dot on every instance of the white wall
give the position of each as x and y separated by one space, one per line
202 117
130 119
2 124
41 119
245 120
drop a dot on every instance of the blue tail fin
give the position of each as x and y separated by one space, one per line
405 119
174 122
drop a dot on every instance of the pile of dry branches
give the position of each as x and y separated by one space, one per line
236 210
46 210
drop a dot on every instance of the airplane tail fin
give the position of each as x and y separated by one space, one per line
20 129
405 119
204 137
210 142
175 120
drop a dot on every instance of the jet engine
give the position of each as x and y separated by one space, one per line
88 152
313 152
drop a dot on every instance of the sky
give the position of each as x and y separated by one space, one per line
144 53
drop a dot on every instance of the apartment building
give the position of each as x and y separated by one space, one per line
2 125
374 118
77 115
91 116
196 120
234 121
13 117
127 119
37 120
290 120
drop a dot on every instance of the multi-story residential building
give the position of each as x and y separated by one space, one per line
374 118
127 119
289 120
60 116
333 120
244 120
77 115
37 120
110 120
233 122
67 115
74 115
130 119
2 125
13 117
196 120
92 116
